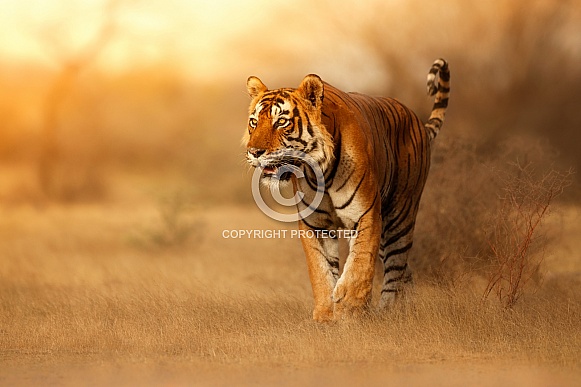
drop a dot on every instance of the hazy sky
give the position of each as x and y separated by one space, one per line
197 33
210 39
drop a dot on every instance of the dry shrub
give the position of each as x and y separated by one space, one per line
449 235
448 228
472 191
177 221
514 232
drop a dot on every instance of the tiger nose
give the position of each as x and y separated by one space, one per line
256 152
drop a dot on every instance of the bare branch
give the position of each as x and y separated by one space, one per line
515 228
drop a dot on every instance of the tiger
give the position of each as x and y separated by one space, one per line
374 153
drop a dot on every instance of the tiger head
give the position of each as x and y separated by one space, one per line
284 125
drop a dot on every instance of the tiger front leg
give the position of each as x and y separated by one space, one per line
323 264
352 293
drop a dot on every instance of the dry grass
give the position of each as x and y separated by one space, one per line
161 321
76 290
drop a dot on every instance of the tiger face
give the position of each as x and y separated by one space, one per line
284 124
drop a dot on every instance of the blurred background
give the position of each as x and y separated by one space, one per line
100 97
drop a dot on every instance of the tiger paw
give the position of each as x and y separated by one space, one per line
348 303
323 314
347 310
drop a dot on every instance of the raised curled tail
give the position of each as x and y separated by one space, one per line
438 85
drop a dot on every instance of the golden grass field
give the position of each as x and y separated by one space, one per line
100 294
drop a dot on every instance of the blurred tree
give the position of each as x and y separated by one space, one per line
538 76
71 65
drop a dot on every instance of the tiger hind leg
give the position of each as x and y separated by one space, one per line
396 241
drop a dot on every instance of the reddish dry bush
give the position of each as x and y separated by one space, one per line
516 245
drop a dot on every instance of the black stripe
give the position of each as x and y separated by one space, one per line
266 103
299 123
356 227
368 209
334 263
395 279
393 114
395 268
312 184
315 209
398 236
398 251
399 219
297 139
354 192
387 202
309 127
337 155
321 250
445 74
441 104
312 227
346 180
408 172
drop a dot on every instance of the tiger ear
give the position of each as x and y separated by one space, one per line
255 86
311 89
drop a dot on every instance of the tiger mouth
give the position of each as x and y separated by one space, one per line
272 170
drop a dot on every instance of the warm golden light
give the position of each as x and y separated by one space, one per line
121 169
195 33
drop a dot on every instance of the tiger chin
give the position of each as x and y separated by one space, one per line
374 156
